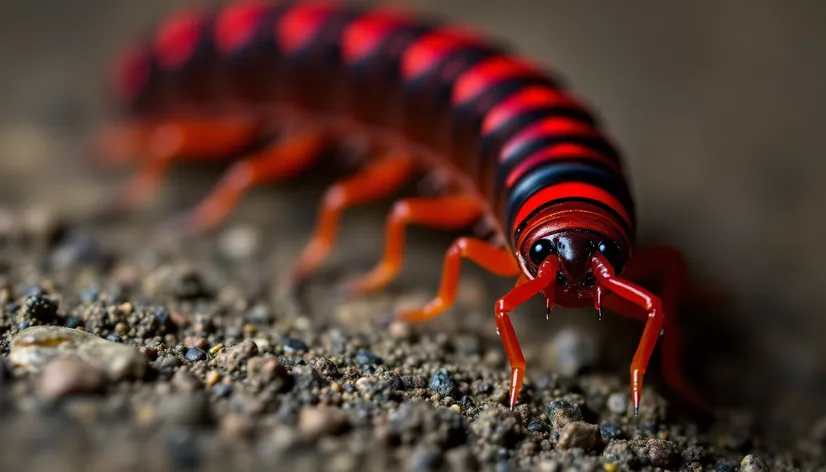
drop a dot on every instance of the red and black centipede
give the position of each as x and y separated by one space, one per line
519 151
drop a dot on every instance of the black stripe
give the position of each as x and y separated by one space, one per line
385 57
570 160
324 47
557 173
436 83
524 150
492 142
472 112
256 69
262 43
144 101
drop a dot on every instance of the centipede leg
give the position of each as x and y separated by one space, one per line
517 296
121 143
492 258
667 264
283 159
452 212
378 180
167 142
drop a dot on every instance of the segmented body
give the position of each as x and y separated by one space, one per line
505 124
521 151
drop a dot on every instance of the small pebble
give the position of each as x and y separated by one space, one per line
267 370
194 354
399 331
215 349
571 350
33 347
536 426
658 451
41 308
562 412
65 376
752 463
723 466
239 242
442 383
578 434
231 358
294 345
609 431
326 367
618 403
212 378
367 358
121 329
321 421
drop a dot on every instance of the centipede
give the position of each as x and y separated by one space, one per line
519 151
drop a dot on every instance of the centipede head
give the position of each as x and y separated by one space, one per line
571 232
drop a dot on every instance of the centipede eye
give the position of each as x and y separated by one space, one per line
610 250
540 251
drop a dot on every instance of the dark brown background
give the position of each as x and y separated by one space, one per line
719 107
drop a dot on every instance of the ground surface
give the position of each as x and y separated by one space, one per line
195 363
719 117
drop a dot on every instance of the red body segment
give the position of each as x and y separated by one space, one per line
178 38
519 151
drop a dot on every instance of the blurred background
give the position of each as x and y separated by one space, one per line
718 107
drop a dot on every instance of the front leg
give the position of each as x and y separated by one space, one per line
659 313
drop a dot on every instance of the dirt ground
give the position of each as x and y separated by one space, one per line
200 362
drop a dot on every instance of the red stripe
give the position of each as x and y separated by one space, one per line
485 74
235 26
367 32
544 128
569 190
429 49
530 98
178 37
558 152
301 23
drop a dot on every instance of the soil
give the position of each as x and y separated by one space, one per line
124 347
183 356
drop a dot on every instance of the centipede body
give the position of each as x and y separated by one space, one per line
522 151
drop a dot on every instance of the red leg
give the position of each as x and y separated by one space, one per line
121 143
517 296
378 180
283 159
453 212
492 258
161 145
632 301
